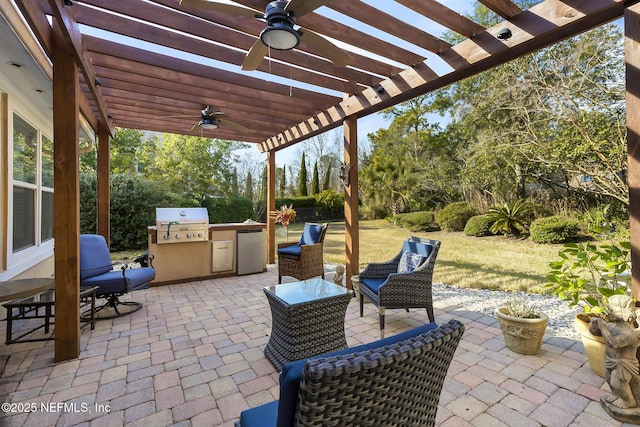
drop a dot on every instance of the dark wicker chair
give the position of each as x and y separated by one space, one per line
384 383
386 288
303 260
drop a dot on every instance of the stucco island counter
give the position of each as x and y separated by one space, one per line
229 249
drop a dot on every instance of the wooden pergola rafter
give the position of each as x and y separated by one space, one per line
143 62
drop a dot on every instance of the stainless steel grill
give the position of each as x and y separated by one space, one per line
180 225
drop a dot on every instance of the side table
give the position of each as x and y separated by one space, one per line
30 308
307 319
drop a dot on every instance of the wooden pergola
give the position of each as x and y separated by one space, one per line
137 63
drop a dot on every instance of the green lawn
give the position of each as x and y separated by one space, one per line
489 262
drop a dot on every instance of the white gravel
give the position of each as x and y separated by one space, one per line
561 316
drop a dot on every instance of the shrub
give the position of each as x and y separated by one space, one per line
478 226
416 221
454 216
510 218
222 209
332 202
553 229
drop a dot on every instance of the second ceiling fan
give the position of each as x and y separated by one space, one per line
280 33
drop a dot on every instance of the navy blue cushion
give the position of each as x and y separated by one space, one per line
260 416
373 284
94 256
113 282
417 248
290 250
311 234
292 372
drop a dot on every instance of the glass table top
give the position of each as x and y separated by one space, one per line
306 290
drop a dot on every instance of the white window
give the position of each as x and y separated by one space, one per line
32 183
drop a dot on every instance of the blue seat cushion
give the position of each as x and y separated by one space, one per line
113 282
311 234
292 372
373 284
260 416
292 250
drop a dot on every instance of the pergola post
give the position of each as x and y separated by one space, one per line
632 57
351 211
66 197
271 206
104 191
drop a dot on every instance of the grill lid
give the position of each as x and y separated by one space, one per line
182 215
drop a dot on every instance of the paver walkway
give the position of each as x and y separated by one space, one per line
193 356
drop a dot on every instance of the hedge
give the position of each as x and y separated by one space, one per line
478 226
454 216
553 229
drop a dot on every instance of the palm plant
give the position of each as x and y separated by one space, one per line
510 217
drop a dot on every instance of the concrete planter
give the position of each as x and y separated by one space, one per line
594 345
522 335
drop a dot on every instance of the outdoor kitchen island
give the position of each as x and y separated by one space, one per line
185 247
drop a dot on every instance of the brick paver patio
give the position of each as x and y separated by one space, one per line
193 356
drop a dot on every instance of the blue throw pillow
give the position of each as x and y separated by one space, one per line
409 262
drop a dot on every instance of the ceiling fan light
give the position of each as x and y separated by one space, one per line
280 36
208 123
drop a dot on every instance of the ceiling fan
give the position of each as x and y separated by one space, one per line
210 120
279 33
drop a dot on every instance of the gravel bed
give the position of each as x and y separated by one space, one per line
561 316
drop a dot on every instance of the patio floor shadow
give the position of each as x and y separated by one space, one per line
193 356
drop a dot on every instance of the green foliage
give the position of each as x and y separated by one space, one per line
417 221
133 203
521 309
332 203
553 229
88 204
478 226
510 218
326 182
248 186
302 178
222 209
578 276
297 202
454 216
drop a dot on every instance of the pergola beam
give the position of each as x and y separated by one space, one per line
542 25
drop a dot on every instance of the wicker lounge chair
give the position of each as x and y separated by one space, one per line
385 287
303 260
395 381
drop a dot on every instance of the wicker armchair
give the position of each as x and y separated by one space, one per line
396 381
303 260
386 288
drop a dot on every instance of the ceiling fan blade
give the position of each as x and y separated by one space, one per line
215 6
233 125
254 56
325 48
302 7
194 126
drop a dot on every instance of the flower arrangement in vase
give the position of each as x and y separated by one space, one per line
285 216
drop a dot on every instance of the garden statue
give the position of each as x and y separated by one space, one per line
337 278
622 368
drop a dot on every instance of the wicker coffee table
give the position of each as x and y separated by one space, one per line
307 319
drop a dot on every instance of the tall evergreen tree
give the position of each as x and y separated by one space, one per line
234 183
302 178
248 187
326 182
283 181
315 181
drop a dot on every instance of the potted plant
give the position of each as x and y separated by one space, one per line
586 275
522 325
